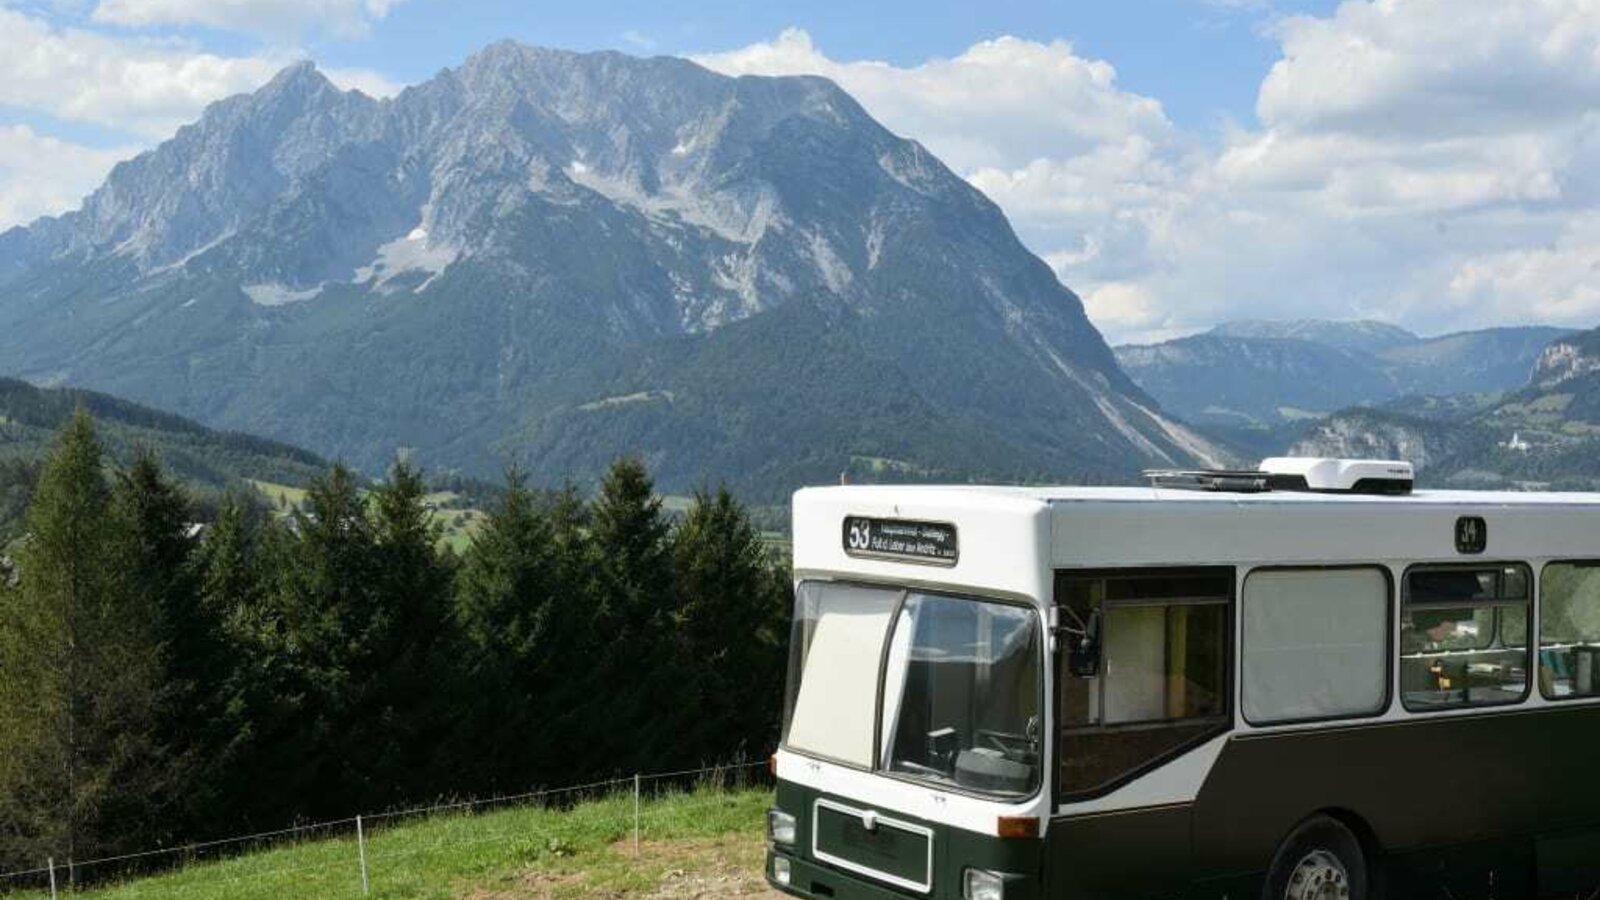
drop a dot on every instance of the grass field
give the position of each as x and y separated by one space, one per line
458 525
706 844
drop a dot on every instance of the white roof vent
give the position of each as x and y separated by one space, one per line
1353 476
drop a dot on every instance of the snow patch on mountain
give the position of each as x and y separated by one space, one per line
415 252
739 220
273 294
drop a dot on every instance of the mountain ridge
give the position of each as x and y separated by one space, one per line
1545 434
1255 374
459 268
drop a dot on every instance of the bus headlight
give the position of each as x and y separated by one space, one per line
981 885
781 872
780 827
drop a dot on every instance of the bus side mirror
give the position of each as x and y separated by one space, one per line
1083 655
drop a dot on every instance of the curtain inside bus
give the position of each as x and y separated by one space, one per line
835 651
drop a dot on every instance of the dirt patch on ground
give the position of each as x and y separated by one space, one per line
696 869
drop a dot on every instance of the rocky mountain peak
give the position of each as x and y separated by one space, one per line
570 255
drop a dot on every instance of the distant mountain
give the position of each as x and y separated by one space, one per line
1263 374
1546 434
1363 335
1380 434
209 461
1494 359
559 258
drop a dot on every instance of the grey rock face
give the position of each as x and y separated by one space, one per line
479 268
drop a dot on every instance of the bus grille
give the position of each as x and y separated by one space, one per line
882 848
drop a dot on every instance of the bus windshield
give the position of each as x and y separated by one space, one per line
960 680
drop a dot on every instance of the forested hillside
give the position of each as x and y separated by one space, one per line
208 462
159 685
1546 434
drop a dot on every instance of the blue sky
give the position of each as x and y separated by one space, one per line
1431 163
1202 59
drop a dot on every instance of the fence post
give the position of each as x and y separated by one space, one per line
361 849
52 866
636 815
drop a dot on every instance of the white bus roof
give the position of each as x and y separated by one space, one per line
1011 539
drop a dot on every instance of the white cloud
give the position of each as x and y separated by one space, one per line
147 87
1558 283
639 40
276 18
42 175
1435 163
1004 102
368 82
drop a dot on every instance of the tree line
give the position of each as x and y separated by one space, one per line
162 683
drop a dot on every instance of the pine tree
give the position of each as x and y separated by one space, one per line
630 621
507 608
155 547
400 682
319 638
231 587
79 759
728 630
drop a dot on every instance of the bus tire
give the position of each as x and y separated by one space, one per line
1320 860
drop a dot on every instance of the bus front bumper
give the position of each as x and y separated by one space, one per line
810 880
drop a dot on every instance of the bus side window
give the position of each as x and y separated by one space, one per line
1162 678
1316 644
1569 630
1464 637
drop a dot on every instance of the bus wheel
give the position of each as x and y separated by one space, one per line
1321 860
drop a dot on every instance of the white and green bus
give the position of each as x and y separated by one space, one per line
1306 681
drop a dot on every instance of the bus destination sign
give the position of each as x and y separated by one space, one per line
930 543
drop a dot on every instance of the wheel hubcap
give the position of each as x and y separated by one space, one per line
1319 876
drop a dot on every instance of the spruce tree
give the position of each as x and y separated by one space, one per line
79 757
579 647
630 620
321 611
154 545
504 584
728 630
399 682
241 680
507 601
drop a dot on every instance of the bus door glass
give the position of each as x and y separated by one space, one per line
1160 682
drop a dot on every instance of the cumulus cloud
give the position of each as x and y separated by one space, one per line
277 18
143 88
1427 162
1004 102
147 87
41 175
1559 282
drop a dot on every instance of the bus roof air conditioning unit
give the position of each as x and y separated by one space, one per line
1340 476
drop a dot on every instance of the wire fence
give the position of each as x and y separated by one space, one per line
61 876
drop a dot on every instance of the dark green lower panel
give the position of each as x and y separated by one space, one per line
1121 856
814 881
954 851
